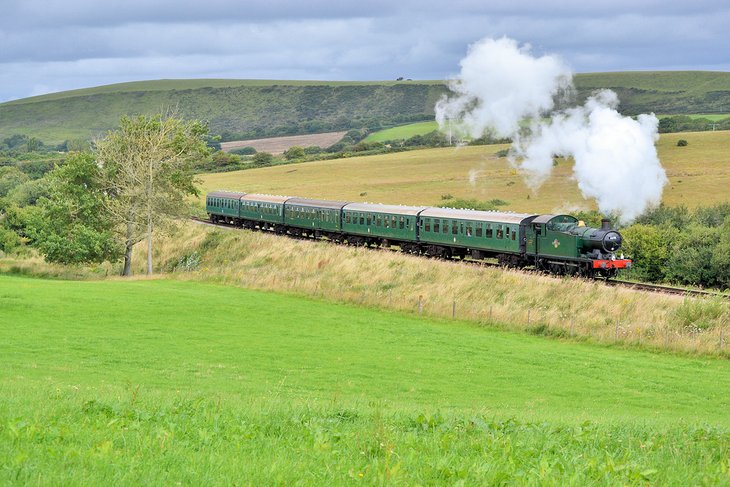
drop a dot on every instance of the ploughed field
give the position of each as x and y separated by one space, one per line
699 174
161 381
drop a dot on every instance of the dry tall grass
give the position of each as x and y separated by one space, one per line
562 307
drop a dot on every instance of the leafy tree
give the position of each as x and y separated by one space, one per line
721 256
147 171
294 153
244 151
262 159
10 177
71 226
690 256
648 246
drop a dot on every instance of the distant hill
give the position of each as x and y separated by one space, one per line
239 109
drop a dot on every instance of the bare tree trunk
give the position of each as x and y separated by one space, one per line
128 260
149 246
129 246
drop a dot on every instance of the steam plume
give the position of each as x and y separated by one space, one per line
501 85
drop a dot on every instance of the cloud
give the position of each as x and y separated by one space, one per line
45 39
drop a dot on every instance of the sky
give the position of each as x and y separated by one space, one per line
54 45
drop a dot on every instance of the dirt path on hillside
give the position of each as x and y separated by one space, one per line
277 145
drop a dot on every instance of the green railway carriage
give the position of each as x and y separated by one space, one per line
367 223
449 232
559 244
223 205
312 216
266 209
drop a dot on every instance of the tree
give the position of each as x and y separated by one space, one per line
70 225
294 152
146 169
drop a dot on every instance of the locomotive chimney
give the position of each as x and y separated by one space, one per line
605 224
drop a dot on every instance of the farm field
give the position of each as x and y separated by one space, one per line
699 174
277 145
192 378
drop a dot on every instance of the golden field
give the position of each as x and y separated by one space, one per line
699 174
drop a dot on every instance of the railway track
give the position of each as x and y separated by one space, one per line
639 286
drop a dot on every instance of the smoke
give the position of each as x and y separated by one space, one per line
503 90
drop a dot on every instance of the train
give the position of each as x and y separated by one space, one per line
555 243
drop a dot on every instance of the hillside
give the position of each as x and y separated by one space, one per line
699 174
238 109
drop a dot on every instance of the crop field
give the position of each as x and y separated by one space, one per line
163 382
277 145
699 174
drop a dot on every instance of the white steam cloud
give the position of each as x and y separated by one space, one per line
502 86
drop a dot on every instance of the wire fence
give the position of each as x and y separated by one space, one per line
534 320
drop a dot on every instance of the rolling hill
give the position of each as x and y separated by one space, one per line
237 109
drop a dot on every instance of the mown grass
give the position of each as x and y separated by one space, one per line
162 382
699 174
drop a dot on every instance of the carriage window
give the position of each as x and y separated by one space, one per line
377 221
514 235
369 220
436 226
445 227
461 228
401 223
468 229
489 233
428 224
362 219
479 230
347 218
500 232
454 227
386 222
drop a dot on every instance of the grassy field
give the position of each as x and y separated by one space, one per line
403 131
699 174
163 382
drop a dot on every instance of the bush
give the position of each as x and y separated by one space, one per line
244 151
262 159
682 143
293 153
9 240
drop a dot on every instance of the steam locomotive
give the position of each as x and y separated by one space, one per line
558 244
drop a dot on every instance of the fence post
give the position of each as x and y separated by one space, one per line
572 322
490 313
666 337
720 338
529 318
453 310
420 304
616 330
390 298
362 297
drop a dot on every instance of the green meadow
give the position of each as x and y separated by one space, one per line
162 382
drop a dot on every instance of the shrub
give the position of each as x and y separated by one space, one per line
682 143
244 151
